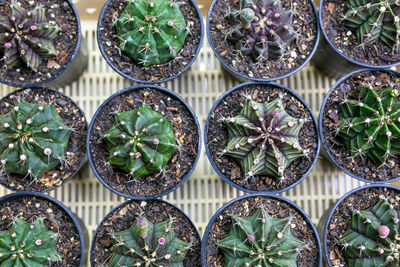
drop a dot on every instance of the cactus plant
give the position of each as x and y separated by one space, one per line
264 138
26 36
261 28
28 244
141 142
151 32
370 126
33 139
373 236
374 20
260 240
148 244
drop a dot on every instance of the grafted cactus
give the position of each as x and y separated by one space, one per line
373 237
141 142
148 244
33 139
28 245
373 20
370 126
260 240
261 28
151 31
26 36
264 138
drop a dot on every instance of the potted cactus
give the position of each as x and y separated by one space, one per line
260 230
151 233
150 41
359 125
40 40
42 134
358 34
143 142
261 137
263 40
38 230
362 229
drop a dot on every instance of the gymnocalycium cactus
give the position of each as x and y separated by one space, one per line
373 236
141 142
262 29
26 36
28 245
148 244
33 139
151 31
260 240
264 138
370 126
373 20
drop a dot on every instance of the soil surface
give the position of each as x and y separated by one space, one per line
29 208
186 136
304 23
156 212
340 219
246 207
110 42
65 43
360 166
218 138
346 41
72 117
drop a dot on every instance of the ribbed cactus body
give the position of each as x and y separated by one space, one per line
151 31
28 245
26 36
141 141
33 139
370 127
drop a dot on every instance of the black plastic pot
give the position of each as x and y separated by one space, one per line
92 263
86 126
138 80
326 151
279 198
331 61
71 71
245 78
80 226
213 164
125 91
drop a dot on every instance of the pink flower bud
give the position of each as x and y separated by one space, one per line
7 45
383 231
47 151
275 113
33 27
161 241
251 238
12 18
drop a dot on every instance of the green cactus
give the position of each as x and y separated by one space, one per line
33 139
26 36
151 32
260 240
28 245
370 126
148 244
141 142
372 239
264 138
373 20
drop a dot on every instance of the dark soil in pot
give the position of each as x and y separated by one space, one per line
73 117
231 106
360 166
110 42
65 43
155 211
246 207
186 136
29 208
346 42
304 23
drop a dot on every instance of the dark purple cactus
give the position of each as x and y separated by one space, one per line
261 28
